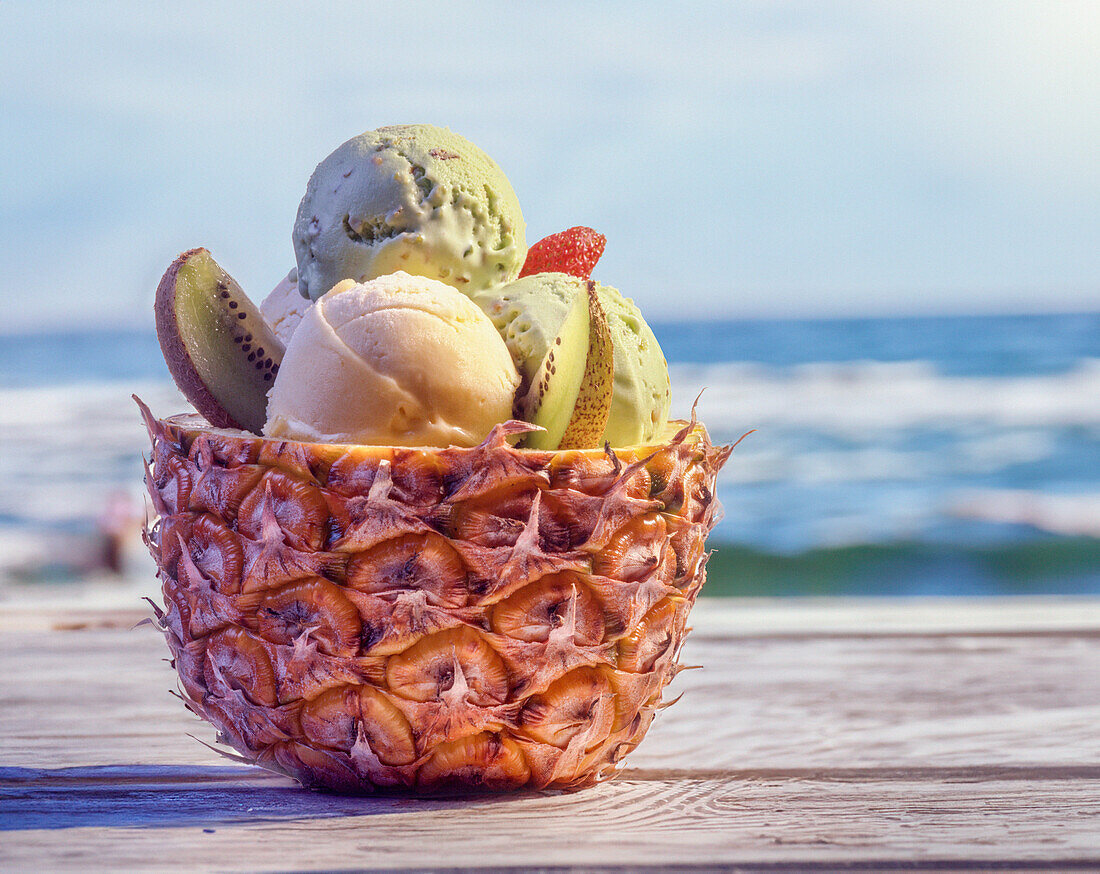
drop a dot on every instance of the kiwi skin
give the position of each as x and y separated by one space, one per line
206 353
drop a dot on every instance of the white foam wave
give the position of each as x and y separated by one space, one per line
1069 515
852 398
774 455
845 452
65 449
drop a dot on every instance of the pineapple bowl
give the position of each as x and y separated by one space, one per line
392 554
373 618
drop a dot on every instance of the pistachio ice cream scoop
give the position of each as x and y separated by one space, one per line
529 313
415 198
399 360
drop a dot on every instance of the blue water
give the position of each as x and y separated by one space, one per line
1008 345
956 345
948 455
71 358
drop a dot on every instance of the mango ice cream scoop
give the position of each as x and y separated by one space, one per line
415 198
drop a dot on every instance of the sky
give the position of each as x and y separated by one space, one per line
753 159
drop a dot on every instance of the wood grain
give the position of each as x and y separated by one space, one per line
965 743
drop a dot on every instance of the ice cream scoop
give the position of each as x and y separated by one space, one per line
415 198
400 360
529 313
284 307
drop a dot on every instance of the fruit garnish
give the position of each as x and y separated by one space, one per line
218 347
574 251
570 395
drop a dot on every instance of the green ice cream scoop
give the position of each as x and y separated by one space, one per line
529 312
416 198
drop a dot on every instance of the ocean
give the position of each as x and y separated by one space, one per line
887 456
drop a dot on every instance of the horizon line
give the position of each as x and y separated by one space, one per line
78 326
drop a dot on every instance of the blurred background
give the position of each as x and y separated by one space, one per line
870 231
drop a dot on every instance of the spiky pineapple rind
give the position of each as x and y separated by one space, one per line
515 613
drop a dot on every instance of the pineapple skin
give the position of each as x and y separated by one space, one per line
379 619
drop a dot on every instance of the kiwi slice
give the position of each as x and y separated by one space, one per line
219 348
570 395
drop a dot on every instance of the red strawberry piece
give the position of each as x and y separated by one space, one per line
574 251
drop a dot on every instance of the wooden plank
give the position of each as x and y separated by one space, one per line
919 821
967 741
123 607
104 696
818 617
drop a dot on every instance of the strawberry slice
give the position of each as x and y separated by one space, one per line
574 251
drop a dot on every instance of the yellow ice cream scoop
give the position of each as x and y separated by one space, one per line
399 360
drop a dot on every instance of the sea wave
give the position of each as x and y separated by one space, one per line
857 397
823 425
845 456
64 449
1036 566
850 398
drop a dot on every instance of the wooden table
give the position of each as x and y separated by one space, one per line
819 735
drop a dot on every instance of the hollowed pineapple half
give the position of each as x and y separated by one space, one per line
367 618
